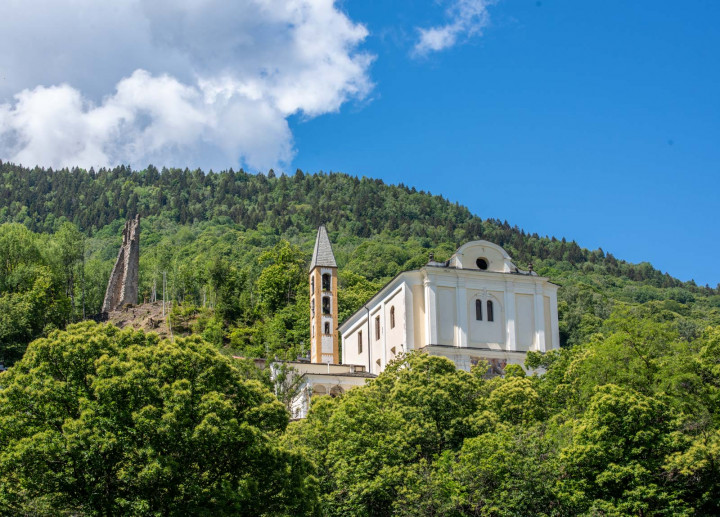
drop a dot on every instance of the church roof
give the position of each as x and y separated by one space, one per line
322 254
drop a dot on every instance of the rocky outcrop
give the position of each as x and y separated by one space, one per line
122 288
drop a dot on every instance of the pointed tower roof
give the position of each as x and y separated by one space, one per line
323 253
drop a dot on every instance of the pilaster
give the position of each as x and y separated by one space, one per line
431 329
510 316
539 319
461 325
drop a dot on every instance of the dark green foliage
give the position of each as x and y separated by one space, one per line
238 244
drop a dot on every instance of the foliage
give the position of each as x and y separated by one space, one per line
100 421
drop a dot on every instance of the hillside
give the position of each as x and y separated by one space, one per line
238 244
625 421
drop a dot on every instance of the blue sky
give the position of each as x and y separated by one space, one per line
597 121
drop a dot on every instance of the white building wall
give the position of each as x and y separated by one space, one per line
395 336
446 316
350 350
524 321
435 310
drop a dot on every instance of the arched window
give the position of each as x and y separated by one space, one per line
392 317
326 305
377 328
478 310
360 342
336 391
490 310
319 390
326 281
327 328
312 307
312 284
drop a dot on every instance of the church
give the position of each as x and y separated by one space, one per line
476 306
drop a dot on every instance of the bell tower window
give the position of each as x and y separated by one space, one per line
326 282
327 328
326 305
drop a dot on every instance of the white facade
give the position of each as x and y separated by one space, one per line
476 306
324 379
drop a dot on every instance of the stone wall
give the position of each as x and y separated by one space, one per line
122 288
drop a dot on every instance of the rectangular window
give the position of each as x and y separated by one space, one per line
360 342
377 328
326 305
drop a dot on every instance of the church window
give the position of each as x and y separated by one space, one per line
326 282
360 342
312 284
478 310
482 263
319 390
377 328
326 305
392 317
336 391
312 307
490 311
327 328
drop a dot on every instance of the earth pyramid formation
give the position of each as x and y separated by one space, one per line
122 288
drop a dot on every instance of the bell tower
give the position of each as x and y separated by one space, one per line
323 302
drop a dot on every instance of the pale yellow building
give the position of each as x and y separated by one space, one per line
477 306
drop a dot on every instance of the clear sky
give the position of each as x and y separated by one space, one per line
597 121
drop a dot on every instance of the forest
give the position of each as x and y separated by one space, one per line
100 421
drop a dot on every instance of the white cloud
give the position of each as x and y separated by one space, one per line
466 18
178 82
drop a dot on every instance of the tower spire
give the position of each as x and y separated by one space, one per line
323 302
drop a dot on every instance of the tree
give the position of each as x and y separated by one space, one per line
99 421
378 437
614 465
283 273
71 249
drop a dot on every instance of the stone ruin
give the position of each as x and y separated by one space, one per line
122 288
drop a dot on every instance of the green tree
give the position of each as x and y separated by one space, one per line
282 275
614 465
98 421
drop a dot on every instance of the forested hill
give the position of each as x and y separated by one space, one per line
624 421
39 198
234 246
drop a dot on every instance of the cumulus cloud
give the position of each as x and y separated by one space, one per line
466 18
183 82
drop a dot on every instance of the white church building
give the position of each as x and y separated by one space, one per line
477 306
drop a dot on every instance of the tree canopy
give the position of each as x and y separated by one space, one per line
98 421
